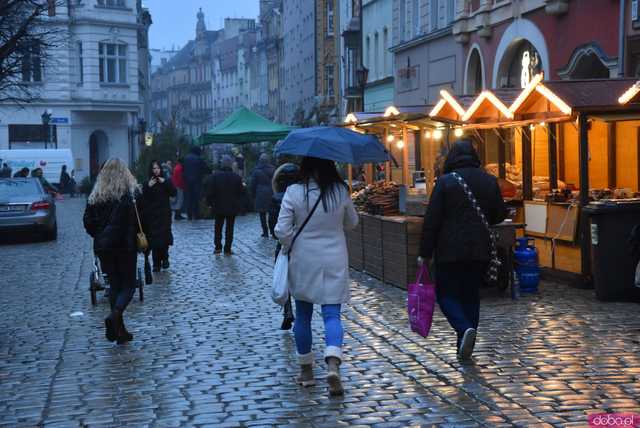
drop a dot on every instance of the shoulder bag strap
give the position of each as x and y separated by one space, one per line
305 222
493 250
135 207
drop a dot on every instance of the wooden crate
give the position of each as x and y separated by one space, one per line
372 245
355 247
401 244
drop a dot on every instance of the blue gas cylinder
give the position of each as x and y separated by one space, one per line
527 266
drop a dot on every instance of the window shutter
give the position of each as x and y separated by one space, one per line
634 10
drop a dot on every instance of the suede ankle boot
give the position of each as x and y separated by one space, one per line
333 376
306 375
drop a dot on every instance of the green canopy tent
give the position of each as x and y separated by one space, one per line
242 127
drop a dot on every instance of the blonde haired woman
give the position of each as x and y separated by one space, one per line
110 219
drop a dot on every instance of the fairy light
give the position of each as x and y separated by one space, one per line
427 134
437 134
630 93
351 118
391 111
439 106
452 102
458 132
488 96
400 144
526 92
390 138
555 100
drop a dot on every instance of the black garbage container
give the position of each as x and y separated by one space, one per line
612 264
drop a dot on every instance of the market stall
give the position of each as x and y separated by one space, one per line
554 146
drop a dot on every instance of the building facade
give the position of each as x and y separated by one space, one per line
427 58
96 90
272 42
507 42
327 61
182 85
377 36
299 59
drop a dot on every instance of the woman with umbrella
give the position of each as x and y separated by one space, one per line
311 225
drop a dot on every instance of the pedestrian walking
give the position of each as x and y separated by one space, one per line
318 267
194 171
5 172
48 187
225 195
457 238
22 173
262 192
67 184
286 175
110 219
178 182
156 215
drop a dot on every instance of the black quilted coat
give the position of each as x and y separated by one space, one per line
453 231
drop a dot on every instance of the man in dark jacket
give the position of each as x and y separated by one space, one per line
262 192
225 193
194 170
5 172
458 240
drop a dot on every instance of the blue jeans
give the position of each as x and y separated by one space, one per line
458 292
333 331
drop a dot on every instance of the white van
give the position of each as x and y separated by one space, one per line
50 160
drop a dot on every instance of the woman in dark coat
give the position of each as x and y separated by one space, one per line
262 192
110 219
457 238
157 215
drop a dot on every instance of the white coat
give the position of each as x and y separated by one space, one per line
318 262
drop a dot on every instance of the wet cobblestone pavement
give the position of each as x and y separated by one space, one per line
208 351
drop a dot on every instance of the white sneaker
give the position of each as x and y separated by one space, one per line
467 344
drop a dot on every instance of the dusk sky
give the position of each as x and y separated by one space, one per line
174 21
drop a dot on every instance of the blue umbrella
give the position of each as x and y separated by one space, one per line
336 144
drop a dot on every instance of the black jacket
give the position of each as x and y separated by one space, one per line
194 169
112 225
452 229
261 186
225 192
156 213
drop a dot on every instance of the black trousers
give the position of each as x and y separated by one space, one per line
120 268
191 204
220 221
267 225
159 254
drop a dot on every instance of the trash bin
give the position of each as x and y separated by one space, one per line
612 264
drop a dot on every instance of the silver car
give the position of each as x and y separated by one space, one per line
26 207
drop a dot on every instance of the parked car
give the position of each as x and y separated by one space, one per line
26 207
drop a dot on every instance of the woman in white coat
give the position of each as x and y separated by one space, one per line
318 261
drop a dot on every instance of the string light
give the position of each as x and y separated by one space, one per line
458 132
437 134
427 134
390 138
400 144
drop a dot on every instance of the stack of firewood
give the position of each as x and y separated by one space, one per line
379 198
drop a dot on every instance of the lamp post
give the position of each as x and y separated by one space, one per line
46 119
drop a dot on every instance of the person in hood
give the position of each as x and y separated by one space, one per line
457 240
262 192
194 171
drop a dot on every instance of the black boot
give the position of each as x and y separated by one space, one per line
124 335
148 277
113 325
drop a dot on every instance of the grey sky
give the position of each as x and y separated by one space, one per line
174 21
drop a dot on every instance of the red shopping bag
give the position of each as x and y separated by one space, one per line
421 301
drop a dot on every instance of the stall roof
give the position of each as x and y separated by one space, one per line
450 108
591 95
244 126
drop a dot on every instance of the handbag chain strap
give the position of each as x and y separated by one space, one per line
135 207
494 262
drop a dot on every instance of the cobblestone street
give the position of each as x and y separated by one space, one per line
208 350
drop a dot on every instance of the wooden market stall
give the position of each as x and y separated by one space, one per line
555 146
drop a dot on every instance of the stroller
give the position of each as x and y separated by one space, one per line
98 281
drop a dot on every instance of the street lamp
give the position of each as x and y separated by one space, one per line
46 119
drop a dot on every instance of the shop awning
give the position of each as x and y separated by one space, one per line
242 127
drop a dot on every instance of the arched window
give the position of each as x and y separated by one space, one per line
474 83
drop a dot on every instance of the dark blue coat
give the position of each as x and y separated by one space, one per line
261 186
194 169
